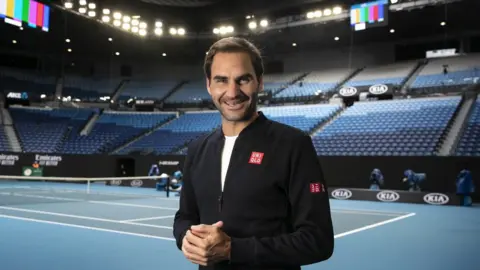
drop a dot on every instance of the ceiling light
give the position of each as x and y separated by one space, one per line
164 54
68 5
117 15
443 23
158 31
92 13
181 31
117 23
82 10
337 38
327 12
135 29
252 25
294 44
392 31
143 25
142 32
14 41
263 23
106 19
117 53
393 1
135 22
158 24
21 28
83 2
110 39
173 31
126 26
67 40
337 10
216 31
69 50
92 6
106 11
126 19
317 14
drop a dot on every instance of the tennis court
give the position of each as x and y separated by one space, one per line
61 226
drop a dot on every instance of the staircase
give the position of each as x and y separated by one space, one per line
458 125
91 122
174 89
294 81
12 137
413 75
115 151
118 90
324 124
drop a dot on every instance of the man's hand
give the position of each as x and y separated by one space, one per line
206 244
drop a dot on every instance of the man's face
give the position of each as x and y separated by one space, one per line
233 86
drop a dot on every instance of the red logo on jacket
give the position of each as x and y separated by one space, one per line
256 158
316 188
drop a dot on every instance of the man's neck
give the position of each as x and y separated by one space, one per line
234 128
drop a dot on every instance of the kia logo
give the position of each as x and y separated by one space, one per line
436 198
378 89
388 196
348 91
136 183
116 182
341 194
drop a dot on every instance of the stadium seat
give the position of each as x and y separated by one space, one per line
469 143
147 89
42 130
394 74
112 130
177 133
4 145
88 89
388 128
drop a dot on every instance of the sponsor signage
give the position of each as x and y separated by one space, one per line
32 171
372 90
169 163
16 95
393 196
47 160
136 183
144 102
8 160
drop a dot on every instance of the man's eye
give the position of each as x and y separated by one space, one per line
244 80
221 80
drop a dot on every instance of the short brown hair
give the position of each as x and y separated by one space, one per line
230 45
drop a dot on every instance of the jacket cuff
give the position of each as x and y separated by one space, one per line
242 251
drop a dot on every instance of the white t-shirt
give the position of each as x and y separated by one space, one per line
226 155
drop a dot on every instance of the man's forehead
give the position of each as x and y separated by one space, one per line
231 62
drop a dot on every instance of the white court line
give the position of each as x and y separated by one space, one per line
370 213
134 205
82 217
371 226
145 219
86 227
369 210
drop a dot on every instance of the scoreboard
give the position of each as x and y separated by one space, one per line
25 12
371 14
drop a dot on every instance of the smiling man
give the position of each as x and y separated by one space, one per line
253 194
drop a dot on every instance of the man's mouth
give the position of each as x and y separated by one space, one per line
234 104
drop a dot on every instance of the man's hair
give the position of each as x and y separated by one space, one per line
234 45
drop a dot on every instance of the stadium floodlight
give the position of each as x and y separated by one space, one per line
106 11
393 1
117 23
106 19
181 31
263 23
67 40
68 5
158 24
337 38
92 6
14 41
92 13
216 31
43 96
126 19
443 23
310 15
158 31
392 31
317 14
135 22
117 15
337 10
82 2
327 12
142 32
117 53
69 50
294 44
173 31
126 26
143 25
82 10
135 29
164 54
252 25
110 39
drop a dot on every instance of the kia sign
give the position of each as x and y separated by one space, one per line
342 194
378 89
436 198
348 91
388 196
136 183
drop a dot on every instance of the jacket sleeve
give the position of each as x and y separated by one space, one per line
187 214
312 239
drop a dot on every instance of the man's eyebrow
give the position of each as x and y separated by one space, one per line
244 76
219 77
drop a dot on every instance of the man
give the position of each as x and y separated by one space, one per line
253 194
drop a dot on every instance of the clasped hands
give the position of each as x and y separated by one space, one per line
206 244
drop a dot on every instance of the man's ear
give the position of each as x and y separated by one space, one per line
207 81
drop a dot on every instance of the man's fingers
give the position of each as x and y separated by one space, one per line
194 254
199 234
195 240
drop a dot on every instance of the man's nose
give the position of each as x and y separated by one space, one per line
232 89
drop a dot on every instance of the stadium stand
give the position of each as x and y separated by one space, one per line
88 89
12 80
395 74
275 82
151 89
469 144
193 92
461 71
304 117
177 133
314 83
112 130
42 130
4 145
398 127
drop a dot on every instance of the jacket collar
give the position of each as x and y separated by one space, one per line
261 119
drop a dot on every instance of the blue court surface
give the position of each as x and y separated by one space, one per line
131 228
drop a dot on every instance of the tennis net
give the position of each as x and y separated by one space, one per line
41 189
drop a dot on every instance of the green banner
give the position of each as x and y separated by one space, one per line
31 171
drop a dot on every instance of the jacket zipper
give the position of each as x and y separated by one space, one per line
220 202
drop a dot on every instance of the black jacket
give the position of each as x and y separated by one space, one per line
277 212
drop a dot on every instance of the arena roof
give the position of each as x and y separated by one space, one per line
199 17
